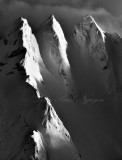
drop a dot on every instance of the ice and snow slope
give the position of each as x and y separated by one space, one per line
53 48
88 58
57 142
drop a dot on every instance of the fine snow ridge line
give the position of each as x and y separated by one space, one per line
62 41
53 137
20 52
53 49
91 38
32 59
92 20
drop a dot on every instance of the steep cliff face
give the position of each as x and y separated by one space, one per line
29 125
53 48
88 34
99 49
56 140
88 58
114 64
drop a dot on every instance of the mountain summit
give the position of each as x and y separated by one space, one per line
99 49
19 49
88 34
53 49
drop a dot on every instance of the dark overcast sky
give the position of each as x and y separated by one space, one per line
108 13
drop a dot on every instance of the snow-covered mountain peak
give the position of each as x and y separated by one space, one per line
62 41
53 49
89 26
52 26
20 50
32 58
88 34
48 23
89 20
52 17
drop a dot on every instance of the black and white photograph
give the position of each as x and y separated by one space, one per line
60 79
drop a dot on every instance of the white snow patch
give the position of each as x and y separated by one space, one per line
40 151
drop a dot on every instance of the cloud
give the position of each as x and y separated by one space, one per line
109 5
74 3
67 13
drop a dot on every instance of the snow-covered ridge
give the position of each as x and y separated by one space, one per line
87 24
56 29
55 128
52 135
52 118
88 20
53 48
90 36
32 58
20 52
62 41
